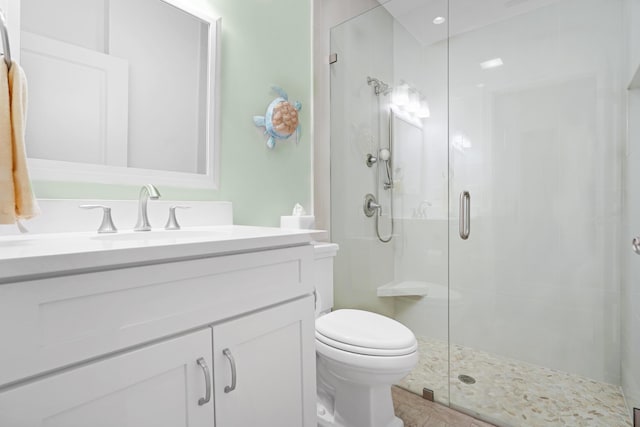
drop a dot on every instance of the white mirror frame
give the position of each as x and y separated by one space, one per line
54 170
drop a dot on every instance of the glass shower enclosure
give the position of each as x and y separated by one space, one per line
476 197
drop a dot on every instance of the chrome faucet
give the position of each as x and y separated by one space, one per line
146 192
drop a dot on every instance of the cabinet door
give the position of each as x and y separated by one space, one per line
273 355
155 386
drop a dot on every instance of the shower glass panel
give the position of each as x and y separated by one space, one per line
518 324
394 262
536 132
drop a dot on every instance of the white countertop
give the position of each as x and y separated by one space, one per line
33 256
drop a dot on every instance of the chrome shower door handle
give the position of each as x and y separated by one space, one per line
232 362
635 243
465 215
207 381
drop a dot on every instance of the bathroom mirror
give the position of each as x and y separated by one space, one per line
121 91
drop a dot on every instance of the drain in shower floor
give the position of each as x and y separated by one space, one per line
467 379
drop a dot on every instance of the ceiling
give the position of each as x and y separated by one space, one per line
464 15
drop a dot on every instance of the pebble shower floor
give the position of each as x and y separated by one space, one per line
513 393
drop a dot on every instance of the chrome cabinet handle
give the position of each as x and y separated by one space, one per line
228 355
636 245
465 215
207 381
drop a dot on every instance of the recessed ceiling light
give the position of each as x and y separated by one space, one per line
438 20
491 63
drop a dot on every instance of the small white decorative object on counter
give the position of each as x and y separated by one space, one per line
298 219
298 210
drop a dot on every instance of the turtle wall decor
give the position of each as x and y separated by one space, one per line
281 119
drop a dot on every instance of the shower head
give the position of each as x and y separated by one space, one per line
386 89
379 87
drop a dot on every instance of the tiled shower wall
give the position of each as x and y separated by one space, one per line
358 126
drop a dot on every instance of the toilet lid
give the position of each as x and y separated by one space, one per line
366 333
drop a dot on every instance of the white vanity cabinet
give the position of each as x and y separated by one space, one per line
120 347
273 377
157 385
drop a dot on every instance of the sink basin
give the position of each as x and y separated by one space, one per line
160 236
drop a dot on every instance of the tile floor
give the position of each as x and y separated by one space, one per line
418 412
513 393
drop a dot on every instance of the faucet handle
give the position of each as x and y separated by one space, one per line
172 222
107 225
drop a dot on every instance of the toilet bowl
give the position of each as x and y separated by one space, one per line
359 355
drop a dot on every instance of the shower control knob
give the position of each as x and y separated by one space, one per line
371 205
371 160
635 243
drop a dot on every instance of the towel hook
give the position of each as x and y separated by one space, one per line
5 39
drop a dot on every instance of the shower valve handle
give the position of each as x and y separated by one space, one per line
371 206
375 206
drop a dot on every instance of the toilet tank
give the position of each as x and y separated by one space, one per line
323 275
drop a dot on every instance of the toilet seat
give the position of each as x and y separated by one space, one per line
365 333
364 350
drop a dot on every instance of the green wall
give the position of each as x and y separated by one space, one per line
264 42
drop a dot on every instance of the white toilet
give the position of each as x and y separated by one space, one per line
359 355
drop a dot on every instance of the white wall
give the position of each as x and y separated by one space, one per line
630 293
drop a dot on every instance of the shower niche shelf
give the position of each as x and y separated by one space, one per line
405 288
